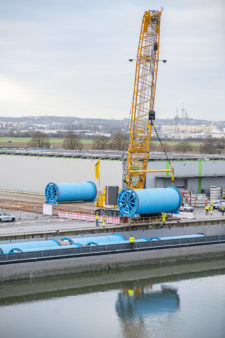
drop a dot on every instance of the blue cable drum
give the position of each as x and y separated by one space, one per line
148 201
147 304
69 192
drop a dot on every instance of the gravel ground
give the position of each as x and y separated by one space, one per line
199 213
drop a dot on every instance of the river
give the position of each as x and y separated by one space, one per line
186 300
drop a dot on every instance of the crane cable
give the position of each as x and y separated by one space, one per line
163 148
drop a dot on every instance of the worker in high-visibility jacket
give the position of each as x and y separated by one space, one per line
131 241
211 209
130 292
97 219
103 220
222 209
207 209
163 217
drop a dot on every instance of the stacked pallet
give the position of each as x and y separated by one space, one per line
223 193
197 200
215 193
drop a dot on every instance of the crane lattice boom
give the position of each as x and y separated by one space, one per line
143 99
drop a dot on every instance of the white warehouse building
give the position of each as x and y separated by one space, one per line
31 170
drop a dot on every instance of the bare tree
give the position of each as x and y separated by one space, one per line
39 140
100 142
212 146
72 141
120 142
183 147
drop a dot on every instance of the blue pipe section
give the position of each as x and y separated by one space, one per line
54 244
69 192
148 201
182 237
99 240
142 240
29 246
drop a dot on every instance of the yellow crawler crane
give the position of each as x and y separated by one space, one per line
142 113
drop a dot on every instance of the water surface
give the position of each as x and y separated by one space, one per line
142 303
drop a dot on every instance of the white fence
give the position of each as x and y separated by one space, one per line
87 217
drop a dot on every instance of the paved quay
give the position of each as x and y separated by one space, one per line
34 224
30 225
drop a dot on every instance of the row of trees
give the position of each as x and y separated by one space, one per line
120 142
73 141
212 146
41 140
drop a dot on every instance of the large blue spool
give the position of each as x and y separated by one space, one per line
70 192
147 304
149 201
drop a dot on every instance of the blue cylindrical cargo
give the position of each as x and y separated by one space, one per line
145 304
70 192
100 240
54 244
149 201
28 246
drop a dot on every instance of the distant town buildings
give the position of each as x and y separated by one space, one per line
177 128
191 131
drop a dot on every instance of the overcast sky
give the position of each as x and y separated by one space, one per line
70 57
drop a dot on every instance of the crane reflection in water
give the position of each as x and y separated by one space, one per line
136 304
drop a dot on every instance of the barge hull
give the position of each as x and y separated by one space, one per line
116 261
